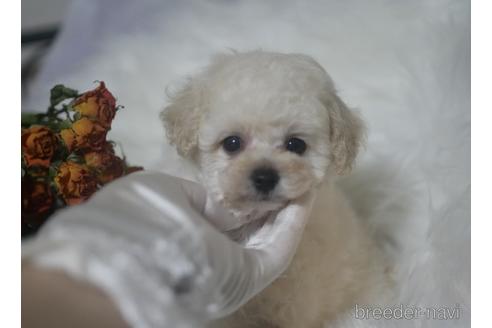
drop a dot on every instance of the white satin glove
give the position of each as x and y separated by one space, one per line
143 239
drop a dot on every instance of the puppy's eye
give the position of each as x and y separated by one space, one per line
296 145
231 144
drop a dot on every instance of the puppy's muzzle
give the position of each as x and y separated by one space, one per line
264 179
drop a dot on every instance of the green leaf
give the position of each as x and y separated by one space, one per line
59 93
66 124
52 172
73 157
61 152
69 107
57 163
28 119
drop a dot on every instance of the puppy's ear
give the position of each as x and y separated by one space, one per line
181 119
346 134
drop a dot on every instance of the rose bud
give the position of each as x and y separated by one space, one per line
75 182
132 169
107 165
84 134
98 104
38 145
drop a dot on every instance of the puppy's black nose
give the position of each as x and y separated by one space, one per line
264 179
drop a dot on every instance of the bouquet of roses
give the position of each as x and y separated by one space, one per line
65 154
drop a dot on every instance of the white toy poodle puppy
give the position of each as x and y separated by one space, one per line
265 128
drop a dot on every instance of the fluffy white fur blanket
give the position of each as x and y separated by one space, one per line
404 64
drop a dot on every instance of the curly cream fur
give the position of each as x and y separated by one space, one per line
182 118
265 98
346 134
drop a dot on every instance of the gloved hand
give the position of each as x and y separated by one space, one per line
143 239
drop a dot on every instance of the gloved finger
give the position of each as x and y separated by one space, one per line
196 193
215 213
287 224
280 235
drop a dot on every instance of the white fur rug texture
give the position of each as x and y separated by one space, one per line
405 65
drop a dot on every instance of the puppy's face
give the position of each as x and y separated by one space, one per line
264 129
256 156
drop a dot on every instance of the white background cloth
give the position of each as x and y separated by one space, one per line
404 64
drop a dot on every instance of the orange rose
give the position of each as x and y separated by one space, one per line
98 104
84 134
38 145
75 182
107 165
